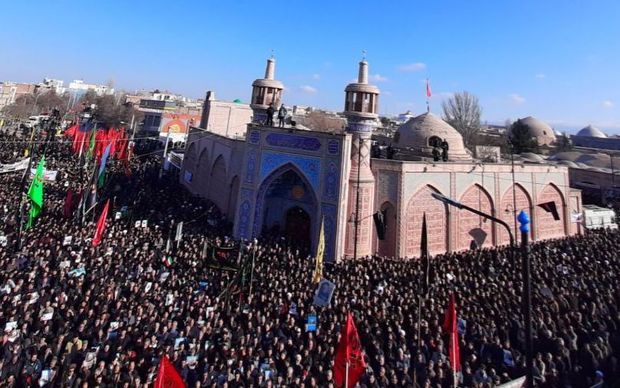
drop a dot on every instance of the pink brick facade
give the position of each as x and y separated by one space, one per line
436 223
506 213
470 226
552 228
489 189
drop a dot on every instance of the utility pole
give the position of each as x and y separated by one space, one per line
524 220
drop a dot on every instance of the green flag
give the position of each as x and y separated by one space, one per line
35 193
91 146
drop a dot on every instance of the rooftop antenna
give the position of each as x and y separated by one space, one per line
272 53
363 55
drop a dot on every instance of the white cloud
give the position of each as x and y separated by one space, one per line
308 89
378 78
541 76
316 76
517 99
608 104
412 67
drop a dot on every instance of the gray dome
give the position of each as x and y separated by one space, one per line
419 132
591 131
595 160
568 163
532 157
568 155
544 134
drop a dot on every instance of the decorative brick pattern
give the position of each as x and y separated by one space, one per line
387 247
470 226
436 223
546 226
505 212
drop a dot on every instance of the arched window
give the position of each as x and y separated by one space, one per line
434 141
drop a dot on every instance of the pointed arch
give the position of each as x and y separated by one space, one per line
437 224
191 159
218 184
506 211
234 193
267 183
387 247
546 226
471 226
202 169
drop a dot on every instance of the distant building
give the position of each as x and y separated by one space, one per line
541 131
592 137
404 117
167 118
52 84
11 91
79 87
225 118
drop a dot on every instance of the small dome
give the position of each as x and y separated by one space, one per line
540 130
595 160
568 163
571 156
532 157
591 131
419 134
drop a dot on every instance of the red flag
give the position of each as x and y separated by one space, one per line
349 351
450 326
429 93
101 224
78 141
121 150
168 377
113 139
70 132
101 142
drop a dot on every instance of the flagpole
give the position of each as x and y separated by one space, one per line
428 96
252 273
21 192
346 375
454 372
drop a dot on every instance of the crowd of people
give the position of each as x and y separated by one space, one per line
74 315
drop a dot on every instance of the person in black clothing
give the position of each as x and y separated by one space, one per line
281 116
112 323
270 112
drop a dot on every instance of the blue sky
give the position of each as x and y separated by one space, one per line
556 60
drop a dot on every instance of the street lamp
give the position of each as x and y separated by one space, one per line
524 220
458 205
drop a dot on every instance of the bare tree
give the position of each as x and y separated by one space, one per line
111 113
32 104
463 112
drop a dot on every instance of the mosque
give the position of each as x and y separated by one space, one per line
291 180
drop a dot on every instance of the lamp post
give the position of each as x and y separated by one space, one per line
524 221
458 205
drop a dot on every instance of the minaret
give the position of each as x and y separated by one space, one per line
266 91
361 107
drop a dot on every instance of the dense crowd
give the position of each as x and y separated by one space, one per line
78 316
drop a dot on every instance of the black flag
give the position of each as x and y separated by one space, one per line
424 260
550 207
379 218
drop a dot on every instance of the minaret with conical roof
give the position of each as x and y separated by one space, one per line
361 107
266 91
